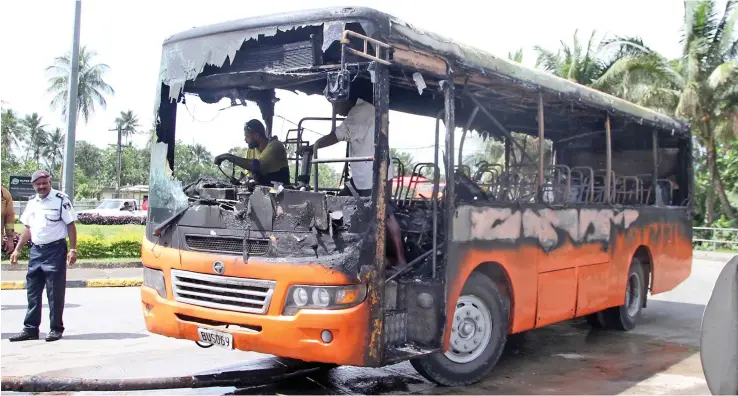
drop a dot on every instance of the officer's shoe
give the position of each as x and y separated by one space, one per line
54 335
24 336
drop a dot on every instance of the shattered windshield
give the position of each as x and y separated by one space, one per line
165 192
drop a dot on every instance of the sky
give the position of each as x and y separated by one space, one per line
127 35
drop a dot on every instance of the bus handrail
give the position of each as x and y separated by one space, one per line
347 159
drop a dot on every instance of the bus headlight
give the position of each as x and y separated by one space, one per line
154 279
323 297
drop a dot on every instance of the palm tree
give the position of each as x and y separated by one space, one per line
575 63
640 75
12 133
516 56
91 85
701 86
151 136
408 162
35 134
128 123
53 148
201 154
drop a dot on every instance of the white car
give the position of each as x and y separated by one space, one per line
116 207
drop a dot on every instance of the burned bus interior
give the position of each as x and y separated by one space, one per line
306 221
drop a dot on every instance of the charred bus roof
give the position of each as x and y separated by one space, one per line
210 61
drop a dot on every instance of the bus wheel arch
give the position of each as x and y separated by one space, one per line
497 273
638 281
480 324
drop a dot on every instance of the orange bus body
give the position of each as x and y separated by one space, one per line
545 287
572 280
516 242
295 336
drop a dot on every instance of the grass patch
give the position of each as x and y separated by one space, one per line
103 231
99 243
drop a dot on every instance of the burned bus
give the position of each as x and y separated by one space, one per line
583 222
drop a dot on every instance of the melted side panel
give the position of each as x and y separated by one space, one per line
589 250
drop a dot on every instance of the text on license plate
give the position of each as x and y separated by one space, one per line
219 338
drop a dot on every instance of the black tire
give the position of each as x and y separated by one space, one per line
595 320
618 318
439 368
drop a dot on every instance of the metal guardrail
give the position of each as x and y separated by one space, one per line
715 238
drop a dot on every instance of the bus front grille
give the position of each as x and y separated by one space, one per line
229 245
222 292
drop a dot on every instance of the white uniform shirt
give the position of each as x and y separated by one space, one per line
358 130
48 217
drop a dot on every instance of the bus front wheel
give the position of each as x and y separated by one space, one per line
478 336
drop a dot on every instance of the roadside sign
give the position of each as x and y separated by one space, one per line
20 188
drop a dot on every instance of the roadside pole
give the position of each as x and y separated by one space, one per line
69 145
118 157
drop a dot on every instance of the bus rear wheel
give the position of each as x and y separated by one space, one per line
625 317
478 336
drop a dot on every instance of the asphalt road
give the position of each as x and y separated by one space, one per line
105 337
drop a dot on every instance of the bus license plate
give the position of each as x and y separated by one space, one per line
219 338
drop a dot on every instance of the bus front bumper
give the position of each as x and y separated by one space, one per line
297 337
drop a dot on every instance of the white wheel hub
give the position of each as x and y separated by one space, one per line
470 330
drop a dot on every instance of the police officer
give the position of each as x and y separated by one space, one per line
48 218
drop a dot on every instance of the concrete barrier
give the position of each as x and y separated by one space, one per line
129 282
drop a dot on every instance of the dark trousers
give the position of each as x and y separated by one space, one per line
47 267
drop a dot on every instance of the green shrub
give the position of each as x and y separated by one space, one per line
97 232
92 247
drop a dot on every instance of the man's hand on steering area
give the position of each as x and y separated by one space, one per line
223 157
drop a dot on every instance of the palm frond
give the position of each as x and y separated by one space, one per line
725 29
625 46
589 54
547 59
516 56
722 74
726 129
689 105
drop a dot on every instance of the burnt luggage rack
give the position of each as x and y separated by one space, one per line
376 44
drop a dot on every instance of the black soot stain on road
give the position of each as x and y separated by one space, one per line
395 379
566 358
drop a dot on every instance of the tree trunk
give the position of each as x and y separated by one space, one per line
710 196
718 184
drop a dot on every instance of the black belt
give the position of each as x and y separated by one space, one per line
45 245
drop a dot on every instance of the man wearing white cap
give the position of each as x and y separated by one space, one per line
49 219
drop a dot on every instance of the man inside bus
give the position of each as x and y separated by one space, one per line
357 129
270 164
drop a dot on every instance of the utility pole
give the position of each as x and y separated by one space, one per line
68 168
119 157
